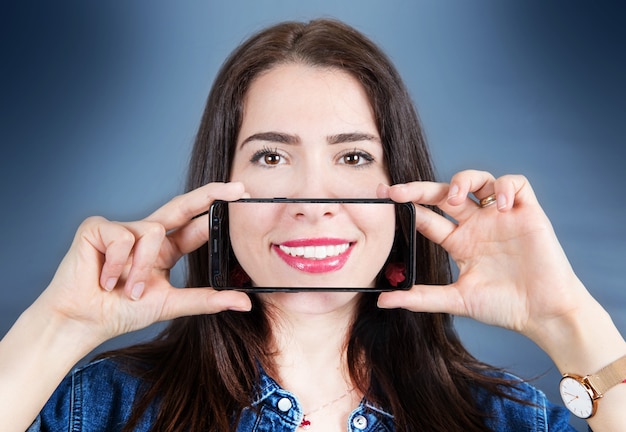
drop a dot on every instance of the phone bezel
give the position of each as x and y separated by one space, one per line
218 232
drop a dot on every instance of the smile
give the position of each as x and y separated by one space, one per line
315 255
315 252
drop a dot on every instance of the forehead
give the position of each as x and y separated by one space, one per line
296 91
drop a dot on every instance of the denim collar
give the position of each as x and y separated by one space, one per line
268 387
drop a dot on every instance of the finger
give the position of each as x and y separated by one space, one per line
431 225
478 183
111 240
198 301
191 236
149 239
182 241
183 208
425 298
427 193
511 190
420 192
465 188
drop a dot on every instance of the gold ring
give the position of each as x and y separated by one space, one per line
487 201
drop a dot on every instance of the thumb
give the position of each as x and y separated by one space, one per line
200 301
425 298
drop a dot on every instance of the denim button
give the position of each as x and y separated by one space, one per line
284 404
359 422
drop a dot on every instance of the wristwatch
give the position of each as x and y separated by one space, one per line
580 394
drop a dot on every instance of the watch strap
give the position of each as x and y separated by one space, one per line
608 376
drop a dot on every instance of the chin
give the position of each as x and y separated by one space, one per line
311 302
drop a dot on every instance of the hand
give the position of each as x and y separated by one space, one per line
512 270
115 276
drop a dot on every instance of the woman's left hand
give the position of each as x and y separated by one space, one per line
512 270
512 273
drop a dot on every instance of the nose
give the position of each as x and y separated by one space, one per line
313 211
313 182
313 177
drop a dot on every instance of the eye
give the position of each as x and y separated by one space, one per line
267 157
356 158
271 159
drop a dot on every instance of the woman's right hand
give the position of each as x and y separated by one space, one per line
115 277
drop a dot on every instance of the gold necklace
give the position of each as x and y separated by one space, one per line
305 423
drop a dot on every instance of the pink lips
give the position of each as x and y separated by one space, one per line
332 254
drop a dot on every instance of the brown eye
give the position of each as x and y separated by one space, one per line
352 159
271 159
267 158
356 159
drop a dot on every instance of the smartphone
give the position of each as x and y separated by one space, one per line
311 255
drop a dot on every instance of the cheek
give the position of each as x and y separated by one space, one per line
378 227
378 223
249 224
263 182
386 227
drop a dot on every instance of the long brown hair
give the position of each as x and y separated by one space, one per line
202 370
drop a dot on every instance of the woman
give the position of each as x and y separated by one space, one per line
308 110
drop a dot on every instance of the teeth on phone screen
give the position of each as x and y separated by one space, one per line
315 252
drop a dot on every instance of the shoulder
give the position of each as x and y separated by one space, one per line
525 408
108 375
97 396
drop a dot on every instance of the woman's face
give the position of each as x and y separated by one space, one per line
309 132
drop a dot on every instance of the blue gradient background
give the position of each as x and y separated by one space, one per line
100 102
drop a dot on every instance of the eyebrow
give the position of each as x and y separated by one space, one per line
283 138
276 137
352 137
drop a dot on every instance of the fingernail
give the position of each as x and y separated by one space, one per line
399 186
110 284
137 290
454 191
239 308
501 201
382 190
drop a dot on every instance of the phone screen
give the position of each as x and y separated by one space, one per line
283 244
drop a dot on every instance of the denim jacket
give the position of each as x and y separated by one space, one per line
100 396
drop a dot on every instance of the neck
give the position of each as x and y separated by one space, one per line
310 342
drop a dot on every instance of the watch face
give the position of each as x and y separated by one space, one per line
576 397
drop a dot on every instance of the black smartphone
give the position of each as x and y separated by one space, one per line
290 244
